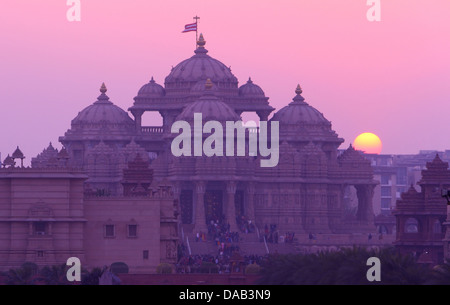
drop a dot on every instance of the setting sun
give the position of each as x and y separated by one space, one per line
369 143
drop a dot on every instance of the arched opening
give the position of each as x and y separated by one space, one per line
187 206
152 119
250 119
411 226
240 208
214 206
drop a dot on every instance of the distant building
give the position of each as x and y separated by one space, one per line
395 174
420 215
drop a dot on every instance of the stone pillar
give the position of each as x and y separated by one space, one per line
169 117
176 191
231 208
361 213
264 115
165 116
250 203
200 219
365 205
138 119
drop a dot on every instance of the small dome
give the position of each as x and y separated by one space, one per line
299 112
102 111
210 107
151 89
251 90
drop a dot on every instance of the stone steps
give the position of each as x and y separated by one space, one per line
256 248
203 247
250 244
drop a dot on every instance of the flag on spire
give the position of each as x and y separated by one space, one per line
191 27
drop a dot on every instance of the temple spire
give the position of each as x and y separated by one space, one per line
298 98
103 98
201 41
103 88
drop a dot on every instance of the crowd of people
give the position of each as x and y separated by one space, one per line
245 225
289 237
227 243
221 233
272 235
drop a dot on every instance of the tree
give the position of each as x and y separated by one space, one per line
343 267
25 275
54 275
91 277
440 275
253 269
164 268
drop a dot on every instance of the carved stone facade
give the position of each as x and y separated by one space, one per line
45 218
303 193
420 216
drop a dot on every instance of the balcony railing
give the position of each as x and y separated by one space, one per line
159 129
152 129
253 129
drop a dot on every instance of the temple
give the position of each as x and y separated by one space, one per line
114 172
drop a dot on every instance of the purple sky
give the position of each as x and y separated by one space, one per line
390 77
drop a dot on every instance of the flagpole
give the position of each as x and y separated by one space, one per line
196 18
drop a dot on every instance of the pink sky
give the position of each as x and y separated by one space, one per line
391 77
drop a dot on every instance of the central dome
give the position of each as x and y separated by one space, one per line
201 66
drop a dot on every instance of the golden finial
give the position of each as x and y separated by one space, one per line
201 41
103 88
208 84
299 90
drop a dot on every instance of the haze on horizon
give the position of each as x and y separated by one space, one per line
389 78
